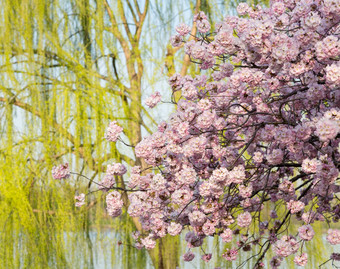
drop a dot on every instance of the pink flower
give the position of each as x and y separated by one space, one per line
230 254
114 204
143 148
306 232
225 38
60 172
216 49
227 69
208 228
279 8
193 239
174 228
138 245
286 186
148 242
298 69
176 40
310 165
333 236
313 20
206 119
244 219
181 196
198 52
284 48
275 262
333 74
204 104
242 8
206 257
183 29
203 26
158 183
302 131
237 175
219 175
189 256
286 246
175 80
186 176
301 260
189 91
335 256
107 182
258 157
275 157
330 7
80 200
135 235
327 129
245 191
295 206
328 47
113 131
197 218
200 16
116 169
227 235
153 100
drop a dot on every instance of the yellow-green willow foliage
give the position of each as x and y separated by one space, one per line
58 235
31 238
60 87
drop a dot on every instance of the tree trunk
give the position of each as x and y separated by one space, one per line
165 254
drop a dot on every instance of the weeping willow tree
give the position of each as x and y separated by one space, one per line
67 69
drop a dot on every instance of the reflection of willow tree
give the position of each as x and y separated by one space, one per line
67 68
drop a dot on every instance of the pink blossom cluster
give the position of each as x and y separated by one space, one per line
227 235
306 232
80 200
244 219
333 236
116 169
61 172
114 204
153 100
174 229
108 182
286 246
258 128
189 256
206 257
230 254
328 126
113 132
183 29
295 206
301 260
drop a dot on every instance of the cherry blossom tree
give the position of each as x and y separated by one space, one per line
256 131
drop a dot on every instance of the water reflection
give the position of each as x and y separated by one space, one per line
109 254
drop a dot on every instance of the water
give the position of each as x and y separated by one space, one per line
68 240
318 251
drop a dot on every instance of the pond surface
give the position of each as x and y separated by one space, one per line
106 254
48 244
